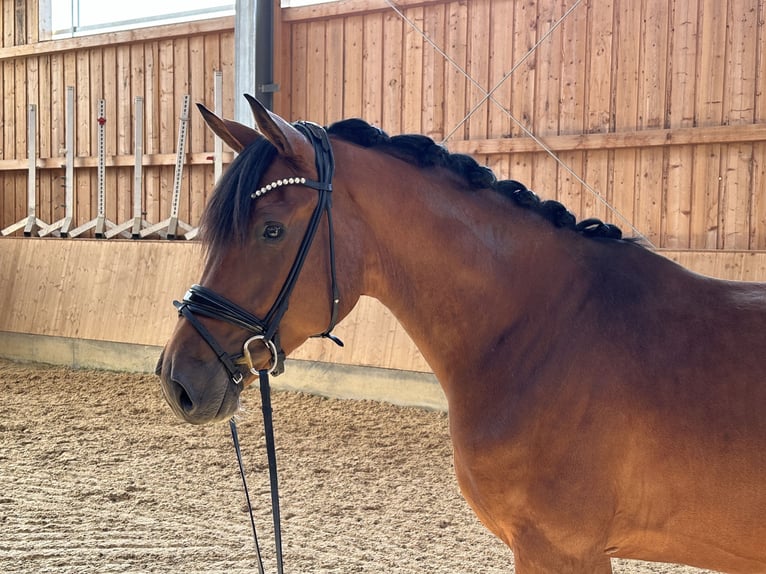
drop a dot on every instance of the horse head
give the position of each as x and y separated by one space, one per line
269 280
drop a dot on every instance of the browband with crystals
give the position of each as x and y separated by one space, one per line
279 183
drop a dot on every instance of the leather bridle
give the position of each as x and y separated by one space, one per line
201 301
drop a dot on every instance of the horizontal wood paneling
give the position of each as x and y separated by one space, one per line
130 286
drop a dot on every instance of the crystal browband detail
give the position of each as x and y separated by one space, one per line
279 183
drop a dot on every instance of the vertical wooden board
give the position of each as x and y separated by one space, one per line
500 66
117 131
9 111
167 122
597 94
760 57
520 167
676 225
87 66
181 87
315 73
334 71
57 129
412 89
549 59
300 47
740 62
626 61
710 81
706 196
571 110
477 102
392 69
758 208
31 95
455 82
198 67
599 66
166 97
595 200
212 52
524 33
137 88
9 18
372 65
738 106
433 72
353 66
652 111
227 66
151 129
734 211
564 183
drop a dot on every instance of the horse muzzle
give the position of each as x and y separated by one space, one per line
198 392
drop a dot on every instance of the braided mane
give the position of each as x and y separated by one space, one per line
227 215
422 151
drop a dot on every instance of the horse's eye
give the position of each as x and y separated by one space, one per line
273 231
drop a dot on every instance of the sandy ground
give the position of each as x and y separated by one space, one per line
96 475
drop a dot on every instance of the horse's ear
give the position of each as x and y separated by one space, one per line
237 136
288 141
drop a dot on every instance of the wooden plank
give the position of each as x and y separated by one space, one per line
522 84
391 60
353 66
709 111
434 27
571 109
314 73
153 160
626 63
197 130
413 74
169 31
372 63
299 61
477 66
500 65
676 225
738 106
455 82
652 92
618 140
333 96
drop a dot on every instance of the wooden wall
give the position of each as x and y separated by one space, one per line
73 289
659 105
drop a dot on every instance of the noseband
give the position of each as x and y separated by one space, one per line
202 301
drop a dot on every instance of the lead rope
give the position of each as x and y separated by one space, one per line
271 454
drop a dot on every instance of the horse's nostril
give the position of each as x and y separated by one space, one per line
184 400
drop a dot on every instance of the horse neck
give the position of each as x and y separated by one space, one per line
458 268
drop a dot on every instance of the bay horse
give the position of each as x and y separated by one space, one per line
603 401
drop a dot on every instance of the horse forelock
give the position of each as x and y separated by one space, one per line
423 152
227 216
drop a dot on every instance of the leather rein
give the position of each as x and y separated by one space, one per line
201 301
